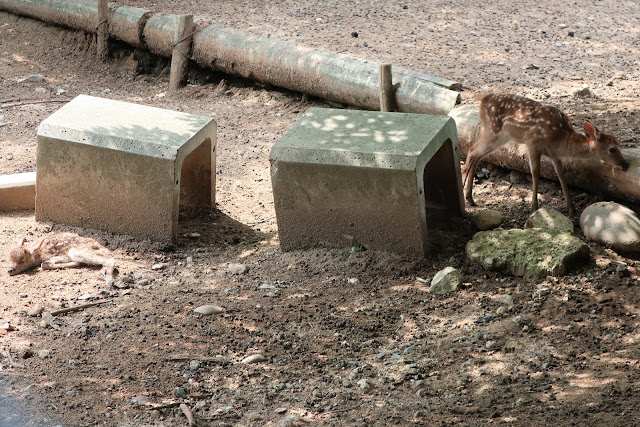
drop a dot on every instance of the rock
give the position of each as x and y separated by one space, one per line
354 281
445 281
208 309
266 286
612 224
194 365
158 267
487 219
364 384
583 91
44 354
254 358
549 218
33 78
35 311
280 410
180 393
532 253
41 90
235 268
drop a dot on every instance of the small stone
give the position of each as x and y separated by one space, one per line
189 262
35 311
60 91
41 90
235 268
487 219
582 92
180 393
354 281
280 410
158 267
506 299
194 365
208 309
445 281
254 358
86 297
194 235
490 344
50 384
354 34
549 218
266 286
33 78
421 393
44 354
364 384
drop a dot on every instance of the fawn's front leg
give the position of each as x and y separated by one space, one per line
534 164
557 164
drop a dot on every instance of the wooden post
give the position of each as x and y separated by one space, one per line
103 30
386 88
181 51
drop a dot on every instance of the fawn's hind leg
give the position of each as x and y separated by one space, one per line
88 257
58 262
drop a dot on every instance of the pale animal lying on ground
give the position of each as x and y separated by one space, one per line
61 250
545 130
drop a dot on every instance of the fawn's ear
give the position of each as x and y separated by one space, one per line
591 131
21 241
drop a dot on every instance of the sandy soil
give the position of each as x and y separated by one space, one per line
349 337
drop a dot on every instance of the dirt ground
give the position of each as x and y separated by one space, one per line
349 337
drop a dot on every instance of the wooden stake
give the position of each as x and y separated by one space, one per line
386 88
103 30
181 51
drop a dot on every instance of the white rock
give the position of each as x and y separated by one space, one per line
254 358
445 281
209 309
549 218
612 224
33 78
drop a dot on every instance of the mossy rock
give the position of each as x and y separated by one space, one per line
531 253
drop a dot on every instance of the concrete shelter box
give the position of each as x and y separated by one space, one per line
123 167
350 177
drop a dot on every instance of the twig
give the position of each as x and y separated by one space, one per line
187 413
77 307
197 357
262 220
42 101
12 363
165 406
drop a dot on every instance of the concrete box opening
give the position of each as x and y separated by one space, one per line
440 182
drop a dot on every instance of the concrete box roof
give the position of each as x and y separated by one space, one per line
361 138
133 128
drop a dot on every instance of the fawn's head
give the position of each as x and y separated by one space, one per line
606 147
20 259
